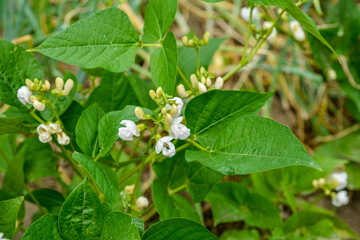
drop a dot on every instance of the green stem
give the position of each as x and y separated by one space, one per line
195 144
133 151
248 35
151 137
138 181
150 45
184 78
178 189
43 210
120 152
197 59
36 117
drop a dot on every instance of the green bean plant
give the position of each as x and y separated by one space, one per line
179 135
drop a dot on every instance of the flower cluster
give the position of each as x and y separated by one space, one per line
201 83
337 182
140 204
26 95
45 132
195 42
169 119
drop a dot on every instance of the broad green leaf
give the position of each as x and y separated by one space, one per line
63 102
163 63
81 216
141 89
188 58
14 125
7 148
104 177
139 224
119 226
296 13
232 202
243 235
175 172
114 93
39 160
8 213
49 198
70 119
46 228
109 126
159 16
86 130
178 229
353 169
172 205
105 39
250 144
16 65
214 107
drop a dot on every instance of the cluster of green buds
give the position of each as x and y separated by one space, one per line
38 85
140 204
38 101
201 82
195 42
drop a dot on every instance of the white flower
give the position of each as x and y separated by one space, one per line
245 14
42 128
2 236
202 88
219 83
68 86
39 105
62 138
181 91
24 94
54 128
165 146
141 203
297 30
45 137
273 34
179 103
339 179
126 133
340 199
178 130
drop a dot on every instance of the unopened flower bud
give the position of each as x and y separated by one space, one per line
181 91
202 70
185 41
129 189
194 80
68 86
174 110
164 110
315 183
219 83
168 119
321 182
142 203
29 84
202 88
208 82
191 43
39 105
203 80
47 85
159 92
139 113
327 192
36 81
63 139
206 38
59 82
152 94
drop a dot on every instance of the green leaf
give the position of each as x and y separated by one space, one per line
175 172
188 57
139 224
163 63
119 226
81 216
104 177
8 213
159 16
109 125
141 89
250 144
63 102
105 39
178 229
114 93
232 202
46 228
214 107
39 161
296 13
172 205
16 65
243 235
213 1
49 198
7 148
14 125
86 130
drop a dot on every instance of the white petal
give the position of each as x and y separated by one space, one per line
169 151
45 137
42 128
125 134
131 126
159 146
